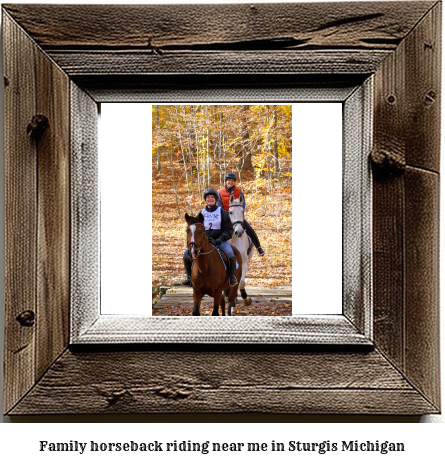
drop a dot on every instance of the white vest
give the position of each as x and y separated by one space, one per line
212 220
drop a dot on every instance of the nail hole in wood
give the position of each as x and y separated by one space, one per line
430 97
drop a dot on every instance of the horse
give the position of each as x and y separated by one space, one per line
240 241
209 275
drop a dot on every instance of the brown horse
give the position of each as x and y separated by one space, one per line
209 275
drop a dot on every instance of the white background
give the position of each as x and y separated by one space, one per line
317 213
125 202
19 441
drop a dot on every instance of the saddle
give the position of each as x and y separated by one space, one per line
225 259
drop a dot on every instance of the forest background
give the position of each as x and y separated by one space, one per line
193 148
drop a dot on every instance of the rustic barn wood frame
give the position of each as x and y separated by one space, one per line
93 53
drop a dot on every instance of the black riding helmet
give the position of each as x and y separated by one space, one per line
230 176
211 192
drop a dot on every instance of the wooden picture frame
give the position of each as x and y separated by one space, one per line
75 55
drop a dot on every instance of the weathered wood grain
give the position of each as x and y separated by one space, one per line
84 234
164 39
357 209
388 268
53 199
20 213
220 382
407 112
423 92
243 26
37 221
253 330
422 281
229 88
406 134
78 62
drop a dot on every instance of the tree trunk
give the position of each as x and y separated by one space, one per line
208 160
245 162
174 181
183 159
219 156
276 161
158 152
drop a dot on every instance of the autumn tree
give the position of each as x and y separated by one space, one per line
208 141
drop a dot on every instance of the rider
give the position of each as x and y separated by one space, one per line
218 228
223 201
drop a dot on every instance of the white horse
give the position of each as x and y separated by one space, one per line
241 241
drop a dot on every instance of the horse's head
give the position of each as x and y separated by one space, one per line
236 213
196 235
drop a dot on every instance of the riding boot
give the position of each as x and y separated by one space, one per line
188 272
232 279
256 243
254 237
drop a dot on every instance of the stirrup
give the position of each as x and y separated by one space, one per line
232 281
261 252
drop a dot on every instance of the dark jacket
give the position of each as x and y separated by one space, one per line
226 231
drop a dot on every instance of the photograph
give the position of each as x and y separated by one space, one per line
221 197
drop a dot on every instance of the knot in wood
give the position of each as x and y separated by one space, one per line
37 126
172 393
387 163
114 397
26 318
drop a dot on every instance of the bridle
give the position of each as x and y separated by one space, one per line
237 222
199 246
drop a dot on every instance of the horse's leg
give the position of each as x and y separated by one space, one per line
223 304
196 303
231 305
247 300
216 301
232 299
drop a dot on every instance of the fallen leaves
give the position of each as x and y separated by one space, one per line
207 309
272 222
